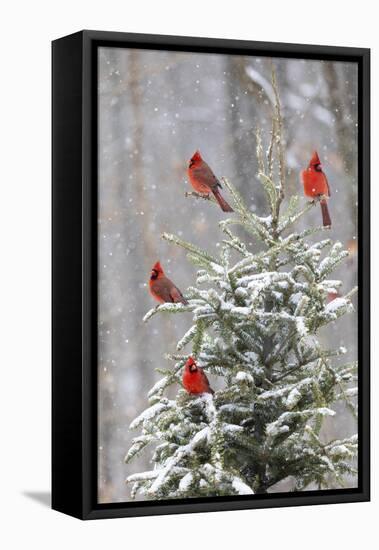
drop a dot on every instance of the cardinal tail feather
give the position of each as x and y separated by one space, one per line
225 207
327 222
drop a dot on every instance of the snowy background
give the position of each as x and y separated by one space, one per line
155 109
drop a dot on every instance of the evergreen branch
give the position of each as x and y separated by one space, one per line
196 195
312 231
198 336
193 249
270 150
329 264
335 309
259 151
271 193
279 137
346 370
292 370
294 218
237 246
321 354
253 260
170 377
234 242
351 293
168 308
189 335
238 200
176 357
138 445
286 342
255 226
248 219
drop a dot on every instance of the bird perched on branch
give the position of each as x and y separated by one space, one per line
194 379
204 181
316 186
162 289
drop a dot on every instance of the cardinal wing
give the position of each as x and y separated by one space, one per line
207 176
161 287
176 296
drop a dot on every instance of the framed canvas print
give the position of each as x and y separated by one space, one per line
210 275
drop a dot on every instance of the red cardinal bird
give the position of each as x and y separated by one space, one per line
332 296
316 186
204 181
162 289
194 379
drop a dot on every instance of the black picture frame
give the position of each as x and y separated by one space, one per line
74 333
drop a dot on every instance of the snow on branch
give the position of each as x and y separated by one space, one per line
193 249
168 308
196 195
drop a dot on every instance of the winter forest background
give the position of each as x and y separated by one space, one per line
155 109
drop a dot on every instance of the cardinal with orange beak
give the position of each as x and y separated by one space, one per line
194 379
204 181
162 289
316 186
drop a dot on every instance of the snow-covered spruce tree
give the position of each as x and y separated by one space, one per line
256 318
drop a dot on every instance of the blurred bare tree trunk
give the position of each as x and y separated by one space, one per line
340 92
243 120
340 106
